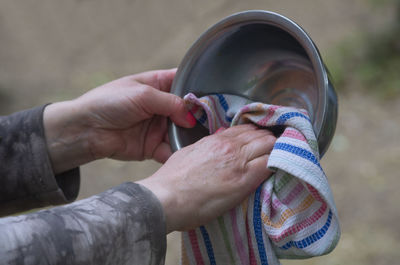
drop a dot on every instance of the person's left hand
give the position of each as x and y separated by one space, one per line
125 119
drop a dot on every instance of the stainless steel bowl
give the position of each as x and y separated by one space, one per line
265 57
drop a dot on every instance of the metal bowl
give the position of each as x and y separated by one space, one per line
265 57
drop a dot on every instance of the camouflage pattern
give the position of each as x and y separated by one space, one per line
123 225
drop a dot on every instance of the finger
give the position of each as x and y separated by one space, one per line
167 105
259 146
239 129
166 138
257 171
220 130
246 133
155 134
162 152
249 136
159 79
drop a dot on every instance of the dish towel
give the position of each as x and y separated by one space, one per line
291 215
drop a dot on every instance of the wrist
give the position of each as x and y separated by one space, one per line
67 136
167 200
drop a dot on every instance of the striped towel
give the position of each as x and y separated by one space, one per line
291 215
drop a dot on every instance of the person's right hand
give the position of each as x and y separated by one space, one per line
204 180
125 119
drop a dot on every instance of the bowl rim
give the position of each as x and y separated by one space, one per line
263 17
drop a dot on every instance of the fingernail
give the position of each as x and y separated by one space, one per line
190 119
220 130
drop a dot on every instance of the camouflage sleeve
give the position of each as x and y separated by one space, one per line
123 225
26 176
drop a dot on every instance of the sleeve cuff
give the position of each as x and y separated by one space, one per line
27 170
154 218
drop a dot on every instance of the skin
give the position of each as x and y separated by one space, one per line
126 119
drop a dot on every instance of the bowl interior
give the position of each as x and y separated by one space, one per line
255 59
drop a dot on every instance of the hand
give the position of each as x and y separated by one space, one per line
202 181
125 119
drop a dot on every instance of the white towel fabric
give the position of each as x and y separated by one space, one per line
291 215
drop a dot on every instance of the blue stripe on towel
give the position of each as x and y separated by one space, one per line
225 106
209 247
227 118
298 151
223 102
312 238
283 118
203 118
257 222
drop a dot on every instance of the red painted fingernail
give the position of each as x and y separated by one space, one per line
220 130
190 119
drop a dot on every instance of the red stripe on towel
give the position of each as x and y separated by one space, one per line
195 247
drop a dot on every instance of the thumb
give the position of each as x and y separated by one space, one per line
170 105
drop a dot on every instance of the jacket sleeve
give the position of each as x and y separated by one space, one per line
123 225
26 176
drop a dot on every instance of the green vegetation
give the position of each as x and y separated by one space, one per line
370 61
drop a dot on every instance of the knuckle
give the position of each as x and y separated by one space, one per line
144 92
156 76
271 139
227 148
178 102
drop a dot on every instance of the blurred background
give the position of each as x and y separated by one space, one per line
56 50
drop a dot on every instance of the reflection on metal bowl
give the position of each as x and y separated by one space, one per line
262 56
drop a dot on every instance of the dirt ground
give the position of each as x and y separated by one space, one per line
56 50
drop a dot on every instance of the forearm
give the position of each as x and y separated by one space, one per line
124 225
67 136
